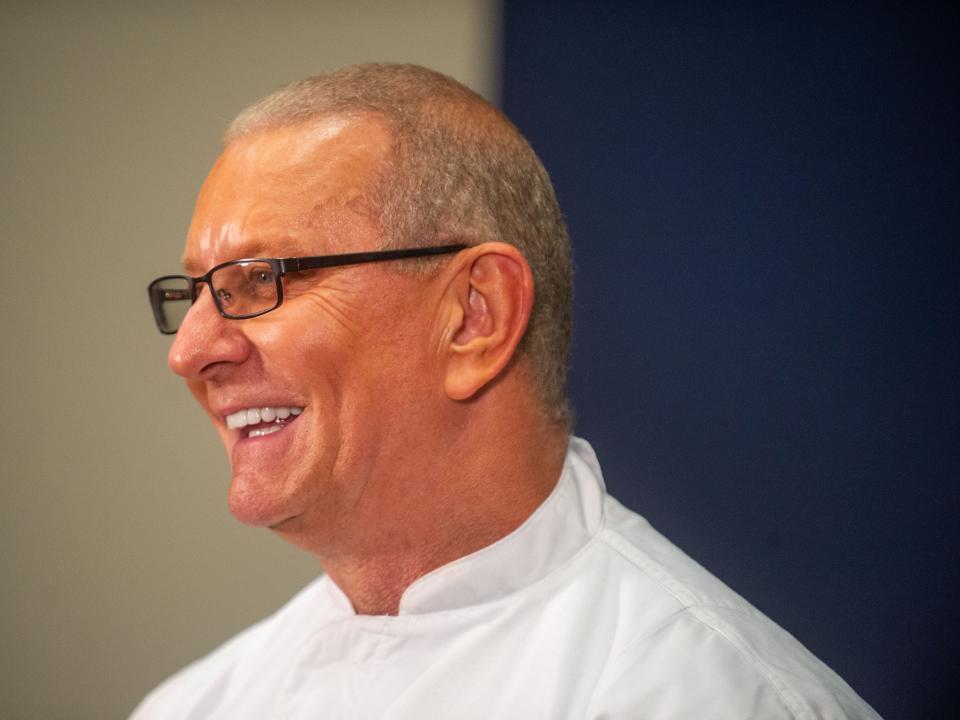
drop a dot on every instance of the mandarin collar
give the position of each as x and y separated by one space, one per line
556 531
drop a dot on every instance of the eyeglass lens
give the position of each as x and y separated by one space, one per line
171 300
242 289
245 288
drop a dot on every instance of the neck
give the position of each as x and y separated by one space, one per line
475 486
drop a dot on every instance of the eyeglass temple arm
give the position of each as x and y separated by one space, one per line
312 263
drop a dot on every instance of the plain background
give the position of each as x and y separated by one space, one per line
763 207
120 562
764 202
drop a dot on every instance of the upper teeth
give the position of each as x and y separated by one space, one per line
252 416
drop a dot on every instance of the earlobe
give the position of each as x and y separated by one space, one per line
494 296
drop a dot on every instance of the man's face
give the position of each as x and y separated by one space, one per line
340 345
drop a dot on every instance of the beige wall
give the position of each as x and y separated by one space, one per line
119 560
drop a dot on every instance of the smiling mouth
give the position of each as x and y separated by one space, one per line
257 422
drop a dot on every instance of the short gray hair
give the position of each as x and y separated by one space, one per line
458 171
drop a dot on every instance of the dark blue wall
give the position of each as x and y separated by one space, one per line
764 209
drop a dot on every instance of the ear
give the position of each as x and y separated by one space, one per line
490 300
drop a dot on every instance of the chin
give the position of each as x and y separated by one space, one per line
256 508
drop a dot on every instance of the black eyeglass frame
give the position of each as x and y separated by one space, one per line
280 267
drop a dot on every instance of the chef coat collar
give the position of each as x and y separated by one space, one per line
554 532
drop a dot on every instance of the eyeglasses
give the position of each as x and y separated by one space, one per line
251 287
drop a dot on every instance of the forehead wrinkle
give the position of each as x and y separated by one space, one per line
289 191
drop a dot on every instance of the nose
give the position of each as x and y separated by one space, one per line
206 341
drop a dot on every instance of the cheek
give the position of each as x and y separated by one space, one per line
305 355
271 333
398 359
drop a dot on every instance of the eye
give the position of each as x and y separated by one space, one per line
262 276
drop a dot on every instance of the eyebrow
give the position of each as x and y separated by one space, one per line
189 266
260 247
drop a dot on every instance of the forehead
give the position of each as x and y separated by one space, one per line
297 190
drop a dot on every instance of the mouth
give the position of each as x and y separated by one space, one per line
261 421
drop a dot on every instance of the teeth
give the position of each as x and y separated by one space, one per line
254 416
260 432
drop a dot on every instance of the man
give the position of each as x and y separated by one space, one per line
389 384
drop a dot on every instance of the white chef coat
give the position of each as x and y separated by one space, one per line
584 611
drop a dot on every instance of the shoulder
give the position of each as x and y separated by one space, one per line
689 645
199 687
